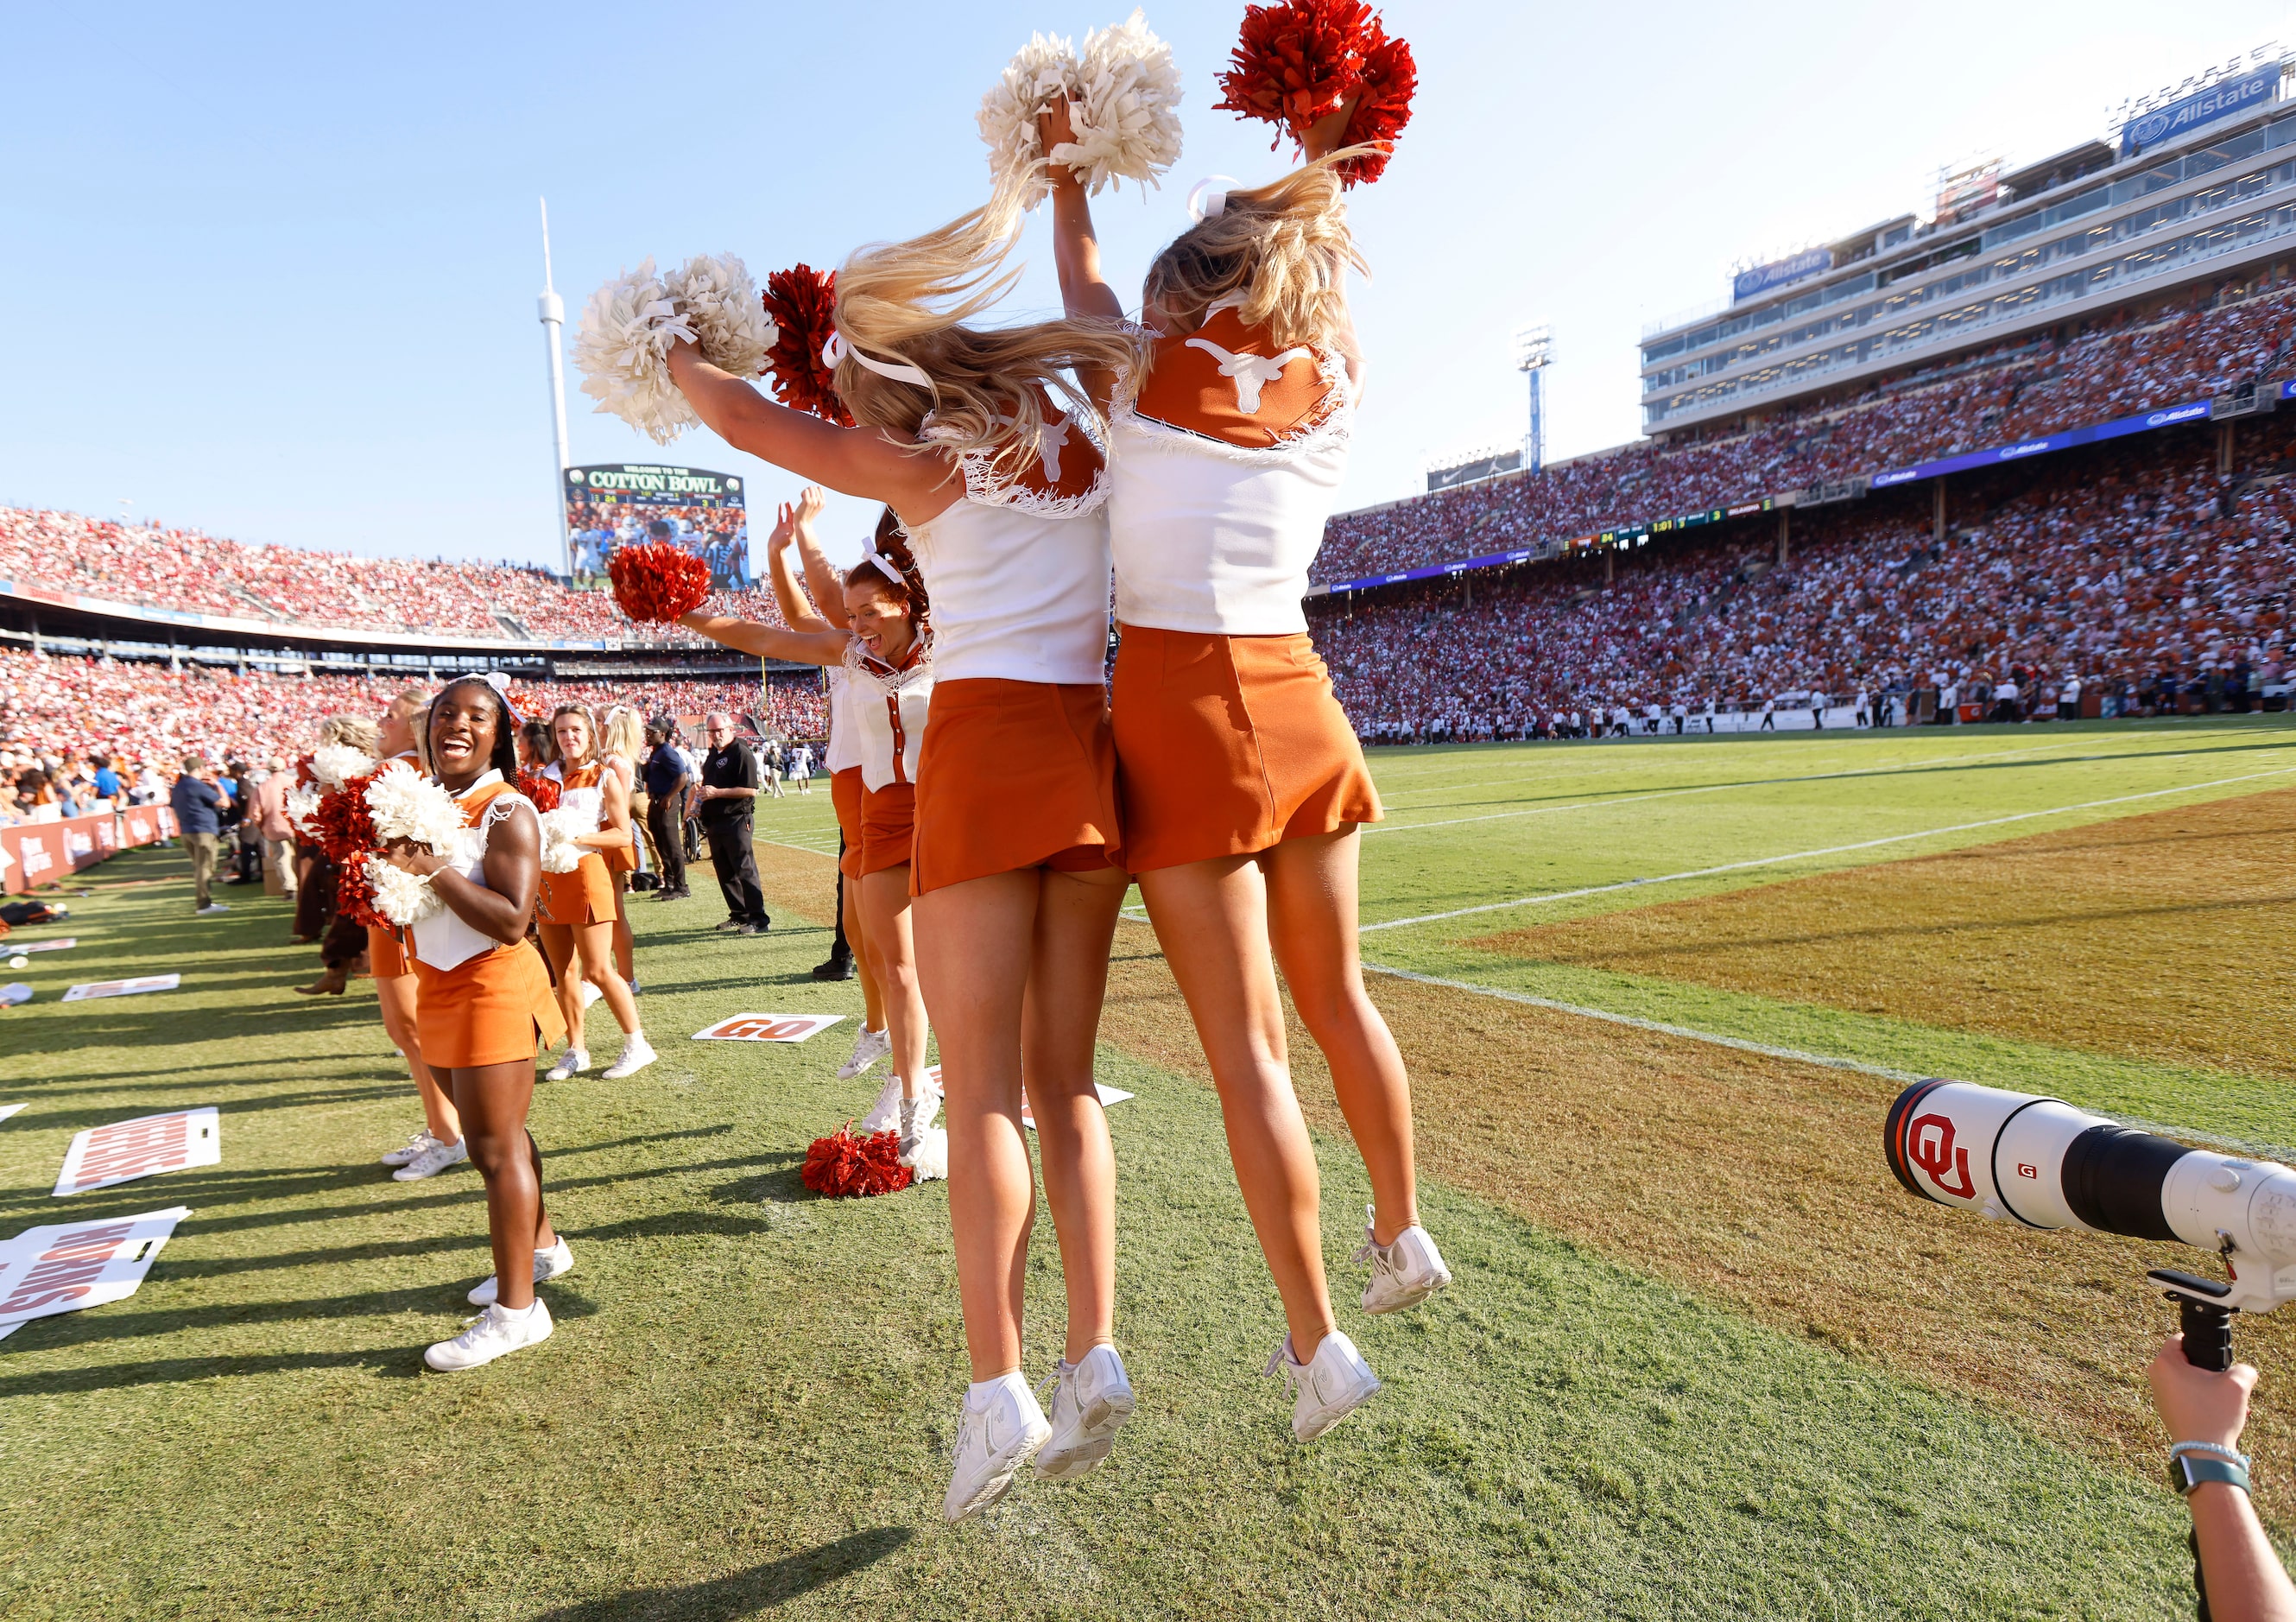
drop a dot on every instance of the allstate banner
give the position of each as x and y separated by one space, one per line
2220 100
1778 273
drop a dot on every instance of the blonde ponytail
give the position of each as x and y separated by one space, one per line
1284 249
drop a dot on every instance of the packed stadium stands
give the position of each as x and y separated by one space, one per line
2199 344
69 706
2135 567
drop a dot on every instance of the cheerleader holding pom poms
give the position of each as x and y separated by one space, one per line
1243 784
578 915
482 1000
1017 893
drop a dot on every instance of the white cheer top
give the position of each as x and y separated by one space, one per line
1018 570
888 708
844 753
443 940
1221 474
586 798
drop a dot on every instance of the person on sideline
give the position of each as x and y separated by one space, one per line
619 747
577 907
439 1143
482 1000
728 801
667 781
199 806
278 834
1244 788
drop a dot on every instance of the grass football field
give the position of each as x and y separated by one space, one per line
1702 1358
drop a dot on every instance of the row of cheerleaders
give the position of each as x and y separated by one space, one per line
997 794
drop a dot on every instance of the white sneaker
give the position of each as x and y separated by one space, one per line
916 1115
637 1053
590 994
489 1336
993 1441
885 1115
416 1146
547 1265
1090 1404
570 1063
1326 1389
1404 1273
432 1161
868 1048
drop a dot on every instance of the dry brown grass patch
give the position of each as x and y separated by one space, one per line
2156 937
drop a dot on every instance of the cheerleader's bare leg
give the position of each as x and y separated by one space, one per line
593 946
885 907
494 1099
1017 964
865 958
1211 918
394 994
1312 918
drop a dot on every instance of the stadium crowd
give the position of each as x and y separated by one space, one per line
2120 364
60 712
2134 570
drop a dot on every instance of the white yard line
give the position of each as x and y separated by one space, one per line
1824 1060
1832 850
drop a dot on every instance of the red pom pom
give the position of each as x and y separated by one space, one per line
1389 80
655 581
347 834
542 790
1296 61
803 303
841 1165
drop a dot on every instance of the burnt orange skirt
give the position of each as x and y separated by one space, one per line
620 858
583 896
845 792
1226 745
490 1010
386 959
1014 774
888 823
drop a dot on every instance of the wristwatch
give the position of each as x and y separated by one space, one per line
2190 1464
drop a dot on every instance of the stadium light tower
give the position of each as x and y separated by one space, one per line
554 321
1534 348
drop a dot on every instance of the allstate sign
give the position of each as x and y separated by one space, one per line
2220 100
1778 273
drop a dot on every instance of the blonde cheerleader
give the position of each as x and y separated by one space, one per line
1243 785
577 907
623 743
481 1003
999 492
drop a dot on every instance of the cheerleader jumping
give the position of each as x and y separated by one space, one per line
1243 784
1017 832
482 998
577 907
885 659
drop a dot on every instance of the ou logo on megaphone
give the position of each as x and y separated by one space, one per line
1932 1153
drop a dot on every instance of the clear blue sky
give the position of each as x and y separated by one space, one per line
271 271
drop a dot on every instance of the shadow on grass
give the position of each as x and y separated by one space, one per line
743 1594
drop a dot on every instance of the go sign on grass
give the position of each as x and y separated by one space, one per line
768 1027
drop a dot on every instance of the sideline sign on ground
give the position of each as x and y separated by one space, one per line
71 1265
768 1027
143 1147
63 945
9 1109
123 988
1108 1095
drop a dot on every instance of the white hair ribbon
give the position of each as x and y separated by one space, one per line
837 349
1207 198
495 680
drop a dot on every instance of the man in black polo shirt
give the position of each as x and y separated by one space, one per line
728 798
667 779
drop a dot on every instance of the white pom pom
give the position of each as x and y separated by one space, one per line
720 303
1126 116
399 895
1044 72
336 764
559 830
622 348
407 805
932 1159
303 810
